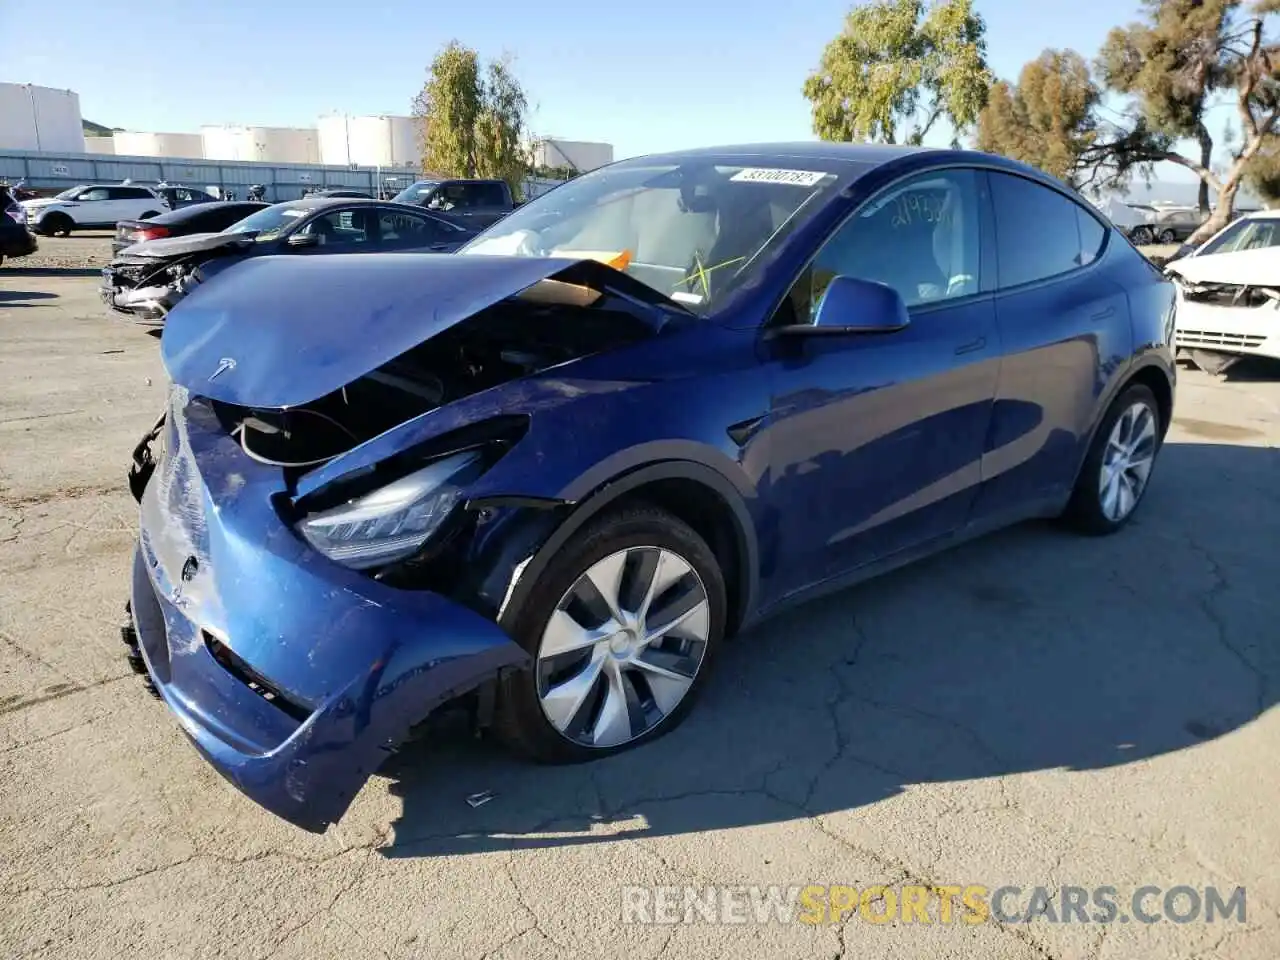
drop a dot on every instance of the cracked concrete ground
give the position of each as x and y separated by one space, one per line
1033 709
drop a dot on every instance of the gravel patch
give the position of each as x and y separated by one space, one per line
80 251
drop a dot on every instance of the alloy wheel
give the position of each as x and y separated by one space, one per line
623 646
1127 461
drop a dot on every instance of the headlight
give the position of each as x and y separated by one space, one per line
394 521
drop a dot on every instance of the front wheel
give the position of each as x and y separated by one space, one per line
57 225
622 626
1141 236
1119 463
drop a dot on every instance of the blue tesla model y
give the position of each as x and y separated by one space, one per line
557 470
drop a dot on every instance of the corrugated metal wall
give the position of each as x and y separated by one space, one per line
46 171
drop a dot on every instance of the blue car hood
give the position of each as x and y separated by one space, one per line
281 331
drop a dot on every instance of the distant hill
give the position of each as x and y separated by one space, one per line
92 129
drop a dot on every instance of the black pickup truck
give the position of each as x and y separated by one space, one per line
474 204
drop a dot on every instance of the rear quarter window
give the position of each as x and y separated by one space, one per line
1093 236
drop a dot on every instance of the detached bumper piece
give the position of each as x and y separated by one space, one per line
134 655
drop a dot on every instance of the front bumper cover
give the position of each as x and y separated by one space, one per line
293 676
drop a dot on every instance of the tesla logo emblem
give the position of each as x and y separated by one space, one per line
225 364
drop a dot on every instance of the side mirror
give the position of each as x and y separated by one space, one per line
851 306
303 240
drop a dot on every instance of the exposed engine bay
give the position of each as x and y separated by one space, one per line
514 338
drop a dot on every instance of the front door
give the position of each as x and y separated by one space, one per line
875 441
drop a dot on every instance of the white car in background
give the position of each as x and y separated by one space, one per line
91 206
1228 303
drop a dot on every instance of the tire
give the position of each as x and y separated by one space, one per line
1141 236
638 534
1091 509
57 225
1168 236
148 214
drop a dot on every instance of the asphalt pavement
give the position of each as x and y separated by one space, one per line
1033 710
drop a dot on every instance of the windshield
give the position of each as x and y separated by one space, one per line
1245 235
69 192
692 229
416 192
269 223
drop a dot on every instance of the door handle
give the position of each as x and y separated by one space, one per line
1103 314
971 346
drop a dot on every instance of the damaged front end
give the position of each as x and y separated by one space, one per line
1228 308
145 285
298 599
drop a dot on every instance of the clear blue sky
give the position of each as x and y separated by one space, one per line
644 77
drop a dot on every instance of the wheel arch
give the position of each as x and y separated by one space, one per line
1150 374
697 494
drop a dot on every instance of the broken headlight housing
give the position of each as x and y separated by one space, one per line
393 522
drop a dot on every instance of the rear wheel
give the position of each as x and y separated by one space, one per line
1168 236
623 627
1119 463
57 225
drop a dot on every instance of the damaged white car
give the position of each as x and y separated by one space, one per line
1228 307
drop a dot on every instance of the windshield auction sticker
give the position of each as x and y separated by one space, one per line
798 178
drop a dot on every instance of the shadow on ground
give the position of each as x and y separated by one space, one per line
22 298
51 272
1030 650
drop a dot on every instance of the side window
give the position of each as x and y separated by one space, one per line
452 196
1092 236
340 227
488 195
920 236
399 229
1037 231
97 193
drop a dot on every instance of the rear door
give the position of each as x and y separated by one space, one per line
1063 326
490 204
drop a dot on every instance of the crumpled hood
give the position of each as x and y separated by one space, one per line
167 247
281 331
1256 268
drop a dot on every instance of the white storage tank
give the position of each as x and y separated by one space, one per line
371 141
40 118
131 143
264 144
580 155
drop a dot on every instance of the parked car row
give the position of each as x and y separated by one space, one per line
557 469
178 251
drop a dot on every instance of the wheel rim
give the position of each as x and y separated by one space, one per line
1127 462
623 646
